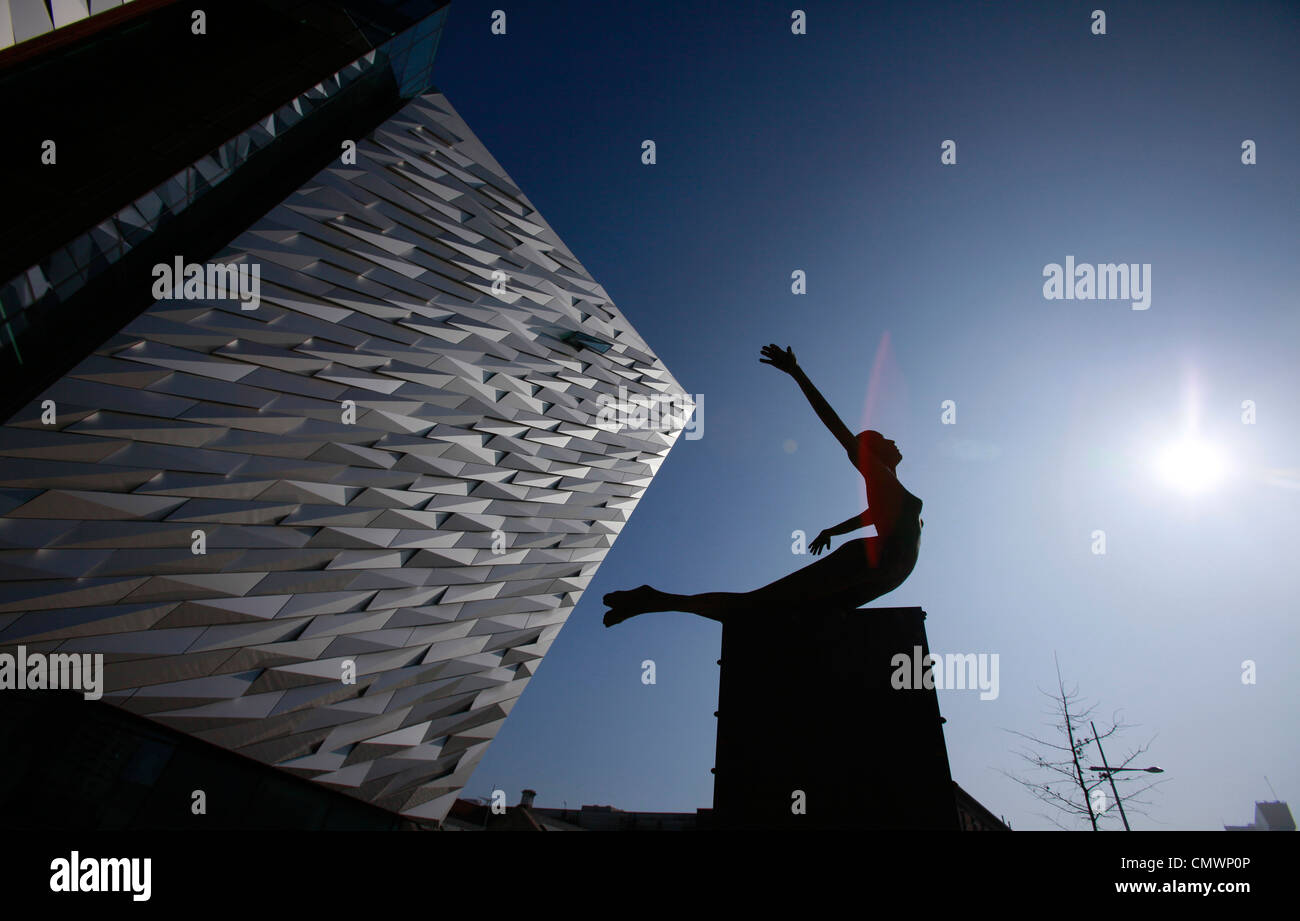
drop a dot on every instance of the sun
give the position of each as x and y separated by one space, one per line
1191 466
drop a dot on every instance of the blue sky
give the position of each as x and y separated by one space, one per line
821 152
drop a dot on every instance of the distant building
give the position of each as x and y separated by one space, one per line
1274 816
972 816
607 818
476 815
472 815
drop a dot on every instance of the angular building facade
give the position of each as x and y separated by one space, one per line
23 20
333 522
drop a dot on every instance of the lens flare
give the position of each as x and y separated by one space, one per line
1191 466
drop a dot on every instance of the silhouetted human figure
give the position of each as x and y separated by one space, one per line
860 571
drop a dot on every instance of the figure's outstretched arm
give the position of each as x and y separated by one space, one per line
852 524
823 540
785 361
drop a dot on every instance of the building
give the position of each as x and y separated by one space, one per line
308 426
1269 816
972 815
23 20
476 815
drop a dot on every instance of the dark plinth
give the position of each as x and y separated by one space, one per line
806 703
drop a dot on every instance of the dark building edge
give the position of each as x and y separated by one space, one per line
84 765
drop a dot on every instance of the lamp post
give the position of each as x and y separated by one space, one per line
1108 772
1150 770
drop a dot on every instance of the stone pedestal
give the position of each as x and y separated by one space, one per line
806 704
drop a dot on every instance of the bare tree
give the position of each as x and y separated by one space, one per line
1060 777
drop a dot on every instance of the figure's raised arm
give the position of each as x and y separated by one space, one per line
785 361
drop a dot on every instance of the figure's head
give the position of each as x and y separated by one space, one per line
882 448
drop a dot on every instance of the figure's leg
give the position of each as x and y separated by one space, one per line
846 574
645 600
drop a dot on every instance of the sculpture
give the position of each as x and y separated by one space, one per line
859 571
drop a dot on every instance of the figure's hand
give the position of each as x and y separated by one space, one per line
821 542
782 361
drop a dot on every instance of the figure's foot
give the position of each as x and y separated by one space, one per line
631 603
617 616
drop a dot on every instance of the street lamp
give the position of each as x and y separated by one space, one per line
1108 772
1150 770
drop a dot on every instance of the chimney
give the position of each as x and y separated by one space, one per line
526 800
